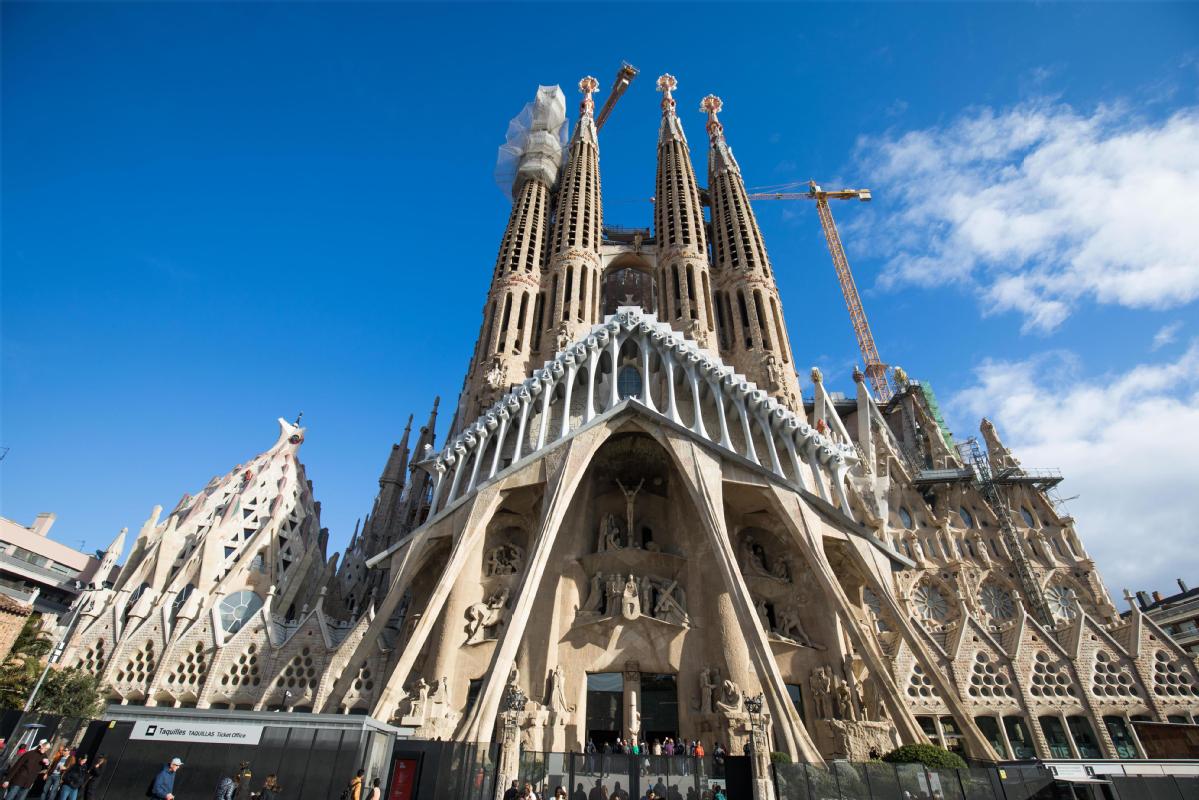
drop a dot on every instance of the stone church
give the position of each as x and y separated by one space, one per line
641 524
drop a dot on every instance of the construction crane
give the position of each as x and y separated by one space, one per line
876 370
624 76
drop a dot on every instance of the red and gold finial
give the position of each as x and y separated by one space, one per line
712 105
666 85
588 86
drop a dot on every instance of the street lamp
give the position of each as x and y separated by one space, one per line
754 706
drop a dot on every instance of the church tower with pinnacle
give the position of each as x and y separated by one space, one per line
749 312
638 527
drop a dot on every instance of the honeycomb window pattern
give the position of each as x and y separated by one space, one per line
1172 678
363 683
1112 679
1050 679
989 679
244 673
191 670
920 685
140 668
301 673
93 658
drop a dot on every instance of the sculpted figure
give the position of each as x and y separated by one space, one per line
791 627
610 534
503 560
418 698
780 570
821 685
753 556
558 692
595 599
709 682
845 702
730 697
481 616
763 615
666 606
630 603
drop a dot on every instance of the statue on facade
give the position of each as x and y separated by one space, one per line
730 697
821 684
763 615
753 556
506 559
668 601
487 614
557 699
790 626
629 496
845 709
418 699
595 597
709 683
609 538
630 602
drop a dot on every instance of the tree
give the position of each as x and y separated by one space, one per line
929 755
21 669
70 692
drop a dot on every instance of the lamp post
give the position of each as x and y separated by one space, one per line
514 703
758 751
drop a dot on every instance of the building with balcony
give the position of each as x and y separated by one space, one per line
38 571
1178 613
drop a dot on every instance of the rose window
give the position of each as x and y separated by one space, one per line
1063 602
930 603
237 608
997 602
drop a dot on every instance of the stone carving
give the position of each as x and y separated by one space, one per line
755 561
557 699
629 496
729 700
630 597
609 535
487 614
789 626
497 376
505 559
417 701
845 709
709 683
821 683
630 603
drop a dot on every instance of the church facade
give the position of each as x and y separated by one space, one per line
639 526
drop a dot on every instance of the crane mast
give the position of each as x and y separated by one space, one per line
624 76
876 370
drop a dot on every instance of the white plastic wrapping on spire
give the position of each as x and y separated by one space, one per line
535 141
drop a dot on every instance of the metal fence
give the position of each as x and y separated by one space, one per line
603 776
878 781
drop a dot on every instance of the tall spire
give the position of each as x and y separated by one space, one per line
416 489
684 288
570 291
503 352
749 313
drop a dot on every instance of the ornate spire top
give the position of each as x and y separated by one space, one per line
588 86
712 105
666 85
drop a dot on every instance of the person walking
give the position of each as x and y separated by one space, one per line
95 774
353 790
228 787
513 791
375 793
163 785
271 790
73 780
25 770
62 760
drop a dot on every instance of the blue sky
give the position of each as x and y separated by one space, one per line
214 215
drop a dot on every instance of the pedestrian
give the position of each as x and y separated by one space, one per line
590 750
375 793
60 762
163 785
25 770
718 792
271 790
559 793
513 791
718 755
353 790
228 787
91 790
73 780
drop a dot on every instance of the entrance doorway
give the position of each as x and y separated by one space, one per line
605 707
659 707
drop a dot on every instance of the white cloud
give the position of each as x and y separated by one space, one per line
1128 445
1166 335
1039 207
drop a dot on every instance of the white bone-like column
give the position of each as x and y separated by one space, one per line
593 355
571 368
751 452
480 446
672 408
617 340
692 367
547 393
646 399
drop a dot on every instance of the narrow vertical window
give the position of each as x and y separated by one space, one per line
708 301
763 320
692 297
567 293
745 330
678 303
519 341
538 308
502 343
582 293
780 332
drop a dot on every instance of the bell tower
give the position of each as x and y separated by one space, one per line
749 314
684 285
